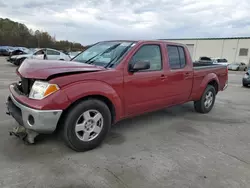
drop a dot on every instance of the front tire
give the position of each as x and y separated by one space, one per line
20 61
206 103
86 125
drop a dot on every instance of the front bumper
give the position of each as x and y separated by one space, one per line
8 59
40 121
11 60
233 68
246 81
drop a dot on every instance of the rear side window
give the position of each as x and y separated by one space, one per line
176 57
52 52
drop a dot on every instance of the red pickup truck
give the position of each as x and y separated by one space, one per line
106 83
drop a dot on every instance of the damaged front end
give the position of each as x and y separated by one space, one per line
32 122
27 135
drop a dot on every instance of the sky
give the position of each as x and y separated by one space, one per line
90 21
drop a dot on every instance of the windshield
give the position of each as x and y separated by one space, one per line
104 53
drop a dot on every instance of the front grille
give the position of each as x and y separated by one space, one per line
25 86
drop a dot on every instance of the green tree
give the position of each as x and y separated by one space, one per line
18 34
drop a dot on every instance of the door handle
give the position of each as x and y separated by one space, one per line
163 77
186 75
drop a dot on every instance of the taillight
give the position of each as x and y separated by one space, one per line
227 73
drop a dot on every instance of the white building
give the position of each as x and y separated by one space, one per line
232 49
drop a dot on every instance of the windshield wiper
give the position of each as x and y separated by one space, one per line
123 52
89 61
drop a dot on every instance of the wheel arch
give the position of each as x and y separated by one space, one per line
215 84
102 98
210 79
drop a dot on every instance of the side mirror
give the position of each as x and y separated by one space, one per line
139 65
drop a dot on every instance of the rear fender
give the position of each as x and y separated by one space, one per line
208 78
80 90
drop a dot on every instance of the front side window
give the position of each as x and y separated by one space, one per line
39 52
104 53
176 57
151 53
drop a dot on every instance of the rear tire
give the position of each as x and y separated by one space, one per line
206 103
79 124
245 85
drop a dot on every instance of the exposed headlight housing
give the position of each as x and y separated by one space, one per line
42 89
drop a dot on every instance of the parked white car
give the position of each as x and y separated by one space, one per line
221 61
73 54
43 53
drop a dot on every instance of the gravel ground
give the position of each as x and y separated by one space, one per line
174 147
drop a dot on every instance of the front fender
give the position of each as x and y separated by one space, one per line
83 89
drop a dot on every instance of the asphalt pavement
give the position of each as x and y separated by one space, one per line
174 147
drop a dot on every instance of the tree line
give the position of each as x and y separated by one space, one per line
18 34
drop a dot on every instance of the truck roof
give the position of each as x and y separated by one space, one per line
141 41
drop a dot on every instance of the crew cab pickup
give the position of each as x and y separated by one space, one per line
106 83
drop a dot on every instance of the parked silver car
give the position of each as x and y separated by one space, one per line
43 53
237 66
73 54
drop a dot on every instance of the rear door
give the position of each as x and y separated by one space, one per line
180 76
145 90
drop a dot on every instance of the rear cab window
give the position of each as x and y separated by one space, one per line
176 57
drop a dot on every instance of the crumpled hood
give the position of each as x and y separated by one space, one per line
43 69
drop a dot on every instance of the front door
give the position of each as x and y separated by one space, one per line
145 90
39 54
180 76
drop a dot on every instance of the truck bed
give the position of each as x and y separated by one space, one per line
198 65
205 71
